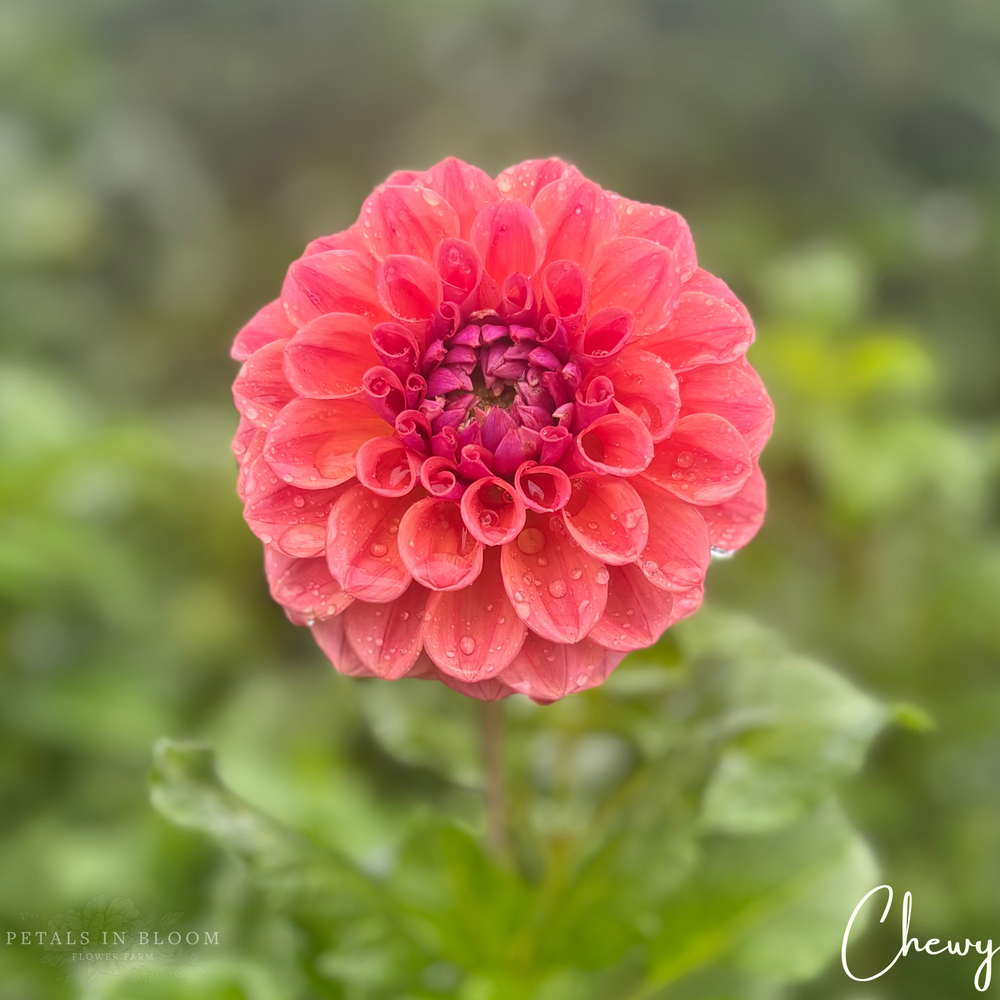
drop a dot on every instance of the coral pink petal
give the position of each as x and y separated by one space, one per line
705 461
437 548
637 614
732 524
303 587
606 333
735 392
493 689
492 511
291 518
328 357
566 291
334 281
546 671
543 488
361 546
244 438
313 443
269 323
459 268
408 287
466 188
578 219
709 327
508 238
331 637
525 180
387 467
261 389
556 587
412 220
388 638
607 518
349 239
618 444
677 552
473 633
637 275
647 386
660 225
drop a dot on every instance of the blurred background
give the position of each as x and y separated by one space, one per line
161 161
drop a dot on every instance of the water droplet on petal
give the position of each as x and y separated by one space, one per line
557 588
467 645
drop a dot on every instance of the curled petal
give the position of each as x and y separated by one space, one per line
607 518
492 511
408 287
593 402
543 488
269 323
735 392
637 275
466 188
607 332
526 179
637 614
517 300
384 393
677 551
396 347
437 548
660 225
261 389
546 671
475 462
459 268
508 238
328 357
578 218
361 545
414 430
335 281
412 220
292 519
313 442
387 467
303 587
439 476
734 522
566 292
618 444
646 385
556 440
710 326
557 588
331 637
705 461
388 638
473 633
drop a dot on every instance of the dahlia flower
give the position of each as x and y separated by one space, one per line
492 432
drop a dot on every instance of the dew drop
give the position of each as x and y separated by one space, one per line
557 588
530 541
467 645
377 549
685 460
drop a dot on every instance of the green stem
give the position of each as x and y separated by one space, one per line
497 830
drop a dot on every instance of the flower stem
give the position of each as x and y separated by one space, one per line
497 836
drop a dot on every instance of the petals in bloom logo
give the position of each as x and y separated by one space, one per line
492 433
112 937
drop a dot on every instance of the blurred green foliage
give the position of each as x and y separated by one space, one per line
839 161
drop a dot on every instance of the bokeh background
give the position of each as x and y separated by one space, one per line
160 163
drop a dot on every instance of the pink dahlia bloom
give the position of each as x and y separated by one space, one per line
491 433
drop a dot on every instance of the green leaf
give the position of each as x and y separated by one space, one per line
774 905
